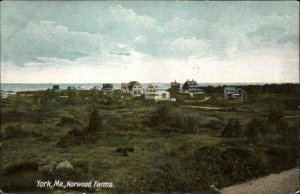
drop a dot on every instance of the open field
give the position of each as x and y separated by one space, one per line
146 146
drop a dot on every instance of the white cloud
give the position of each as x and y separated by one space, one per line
131 46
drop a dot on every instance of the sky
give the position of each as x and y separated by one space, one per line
149 41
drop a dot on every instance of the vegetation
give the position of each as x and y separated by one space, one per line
146 146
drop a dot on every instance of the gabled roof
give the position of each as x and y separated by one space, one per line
191 83
124 84
107 85
229 88
175 83
132 83
157 86
240 89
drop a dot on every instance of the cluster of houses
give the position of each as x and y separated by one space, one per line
159 91
153 91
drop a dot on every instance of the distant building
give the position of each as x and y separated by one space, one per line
135 88
124 88
107 88
56 87
96 88
11 93
235 93
192 87
156 92
175 86
5 94
71 88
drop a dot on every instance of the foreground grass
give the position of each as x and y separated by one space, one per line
171 156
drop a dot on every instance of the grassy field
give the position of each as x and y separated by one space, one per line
146 146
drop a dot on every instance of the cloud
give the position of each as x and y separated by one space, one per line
119 53
45 39
132 44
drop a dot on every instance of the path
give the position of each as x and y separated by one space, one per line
286 182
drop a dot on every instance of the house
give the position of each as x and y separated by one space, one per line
192 87
11 93
4 94
56 87
96 88
156 92
175 86
71 88
135 88
235 93
107 88
124 88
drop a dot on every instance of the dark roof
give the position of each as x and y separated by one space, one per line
132 83
108 85
191 84
175 83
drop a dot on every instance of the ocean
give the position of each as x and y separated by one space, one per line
34 87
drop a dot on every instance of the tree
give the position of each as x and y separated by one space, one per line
159 116
95 121
232 129
275 116
255 128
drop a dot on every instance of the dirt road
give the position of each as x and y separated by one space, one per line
287 182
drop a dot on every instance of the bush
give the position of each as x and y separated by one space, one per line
16 131
159 116
232 129
21 167
69 122
184 124
76 137
222 165
274 116
254 129
95 121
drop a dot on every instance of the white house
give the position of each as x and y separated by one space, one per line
124 88
5 94
235 93
135 88
156 92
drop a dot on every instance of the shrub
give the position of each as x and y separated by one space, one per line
69 122
21 166
95 121
77 137
124 151
254 129
16 131
159 116
274 116
222 165
216 125
232 129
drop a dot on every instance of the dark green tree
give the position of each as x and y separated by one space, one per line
95 121
159 116
275 116
254 129
232 129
